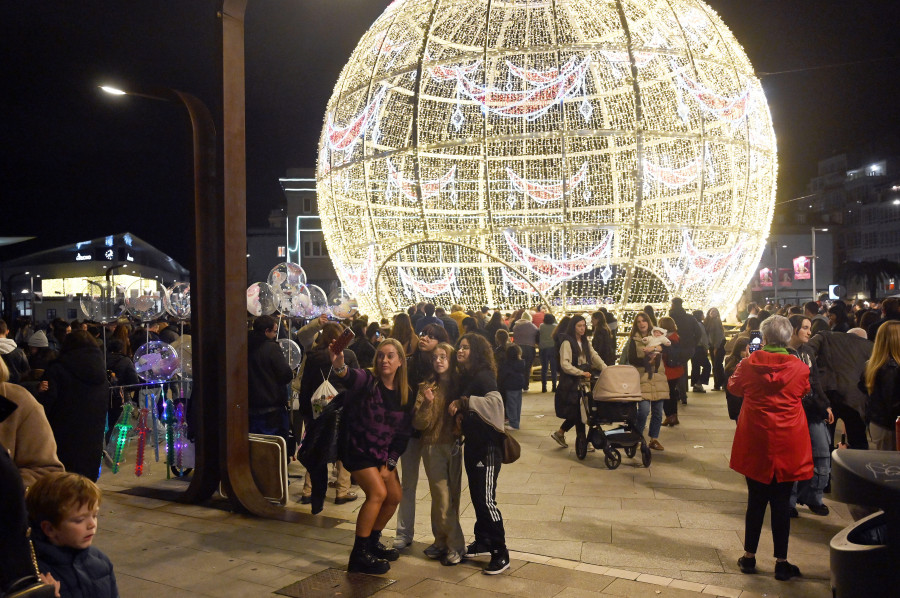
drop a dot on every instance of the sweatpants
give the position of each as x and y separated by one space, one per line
482 471
409 480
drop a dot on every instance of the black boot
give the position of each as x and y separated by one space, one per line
499 562
363 561
380 550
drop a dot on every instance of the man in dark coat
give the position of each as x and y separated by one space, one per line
75 396
15 358
689 334
890 307
841 358
268 374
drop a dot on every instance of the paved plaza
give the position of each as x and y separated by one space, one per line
574 528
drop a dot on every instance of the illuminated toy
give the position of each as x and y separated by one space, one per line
576 152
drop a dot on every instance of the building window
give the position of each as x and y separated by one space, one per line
282 251
307 205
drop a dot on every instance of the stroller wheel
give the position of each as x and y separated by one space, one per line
646 456
631 451
581 447
612 459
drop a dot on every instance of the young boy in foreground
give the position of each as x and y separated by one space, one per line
62 508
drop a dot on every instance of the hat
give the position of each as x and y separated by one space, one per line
659 329
38 339
858 332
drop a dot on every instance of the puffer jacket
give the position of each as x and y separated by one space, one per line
81 573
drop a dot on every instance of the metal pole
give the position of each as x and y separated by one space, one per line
813 229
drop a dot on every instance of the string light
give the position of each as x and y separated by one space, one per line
575 152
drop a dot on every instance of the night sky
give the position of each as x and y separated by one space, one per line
78 164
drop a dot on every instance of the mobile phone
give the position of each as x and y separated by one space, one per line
342 341
755 341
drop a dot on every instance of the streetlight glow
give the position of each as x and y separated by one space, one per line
113 90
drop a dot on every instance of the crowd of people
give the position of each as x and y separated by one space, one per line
444 389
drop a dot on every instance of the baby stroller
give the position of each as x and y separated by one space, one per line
614 399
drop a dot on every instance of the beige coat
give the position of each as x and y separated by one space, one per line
27 435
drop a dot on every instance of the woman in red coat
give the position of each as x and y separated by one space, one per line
771 445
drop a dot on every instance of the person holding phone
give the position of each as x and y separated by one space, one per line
378 423
772 383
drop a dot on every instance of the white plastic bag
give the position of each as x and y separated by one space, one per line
321 397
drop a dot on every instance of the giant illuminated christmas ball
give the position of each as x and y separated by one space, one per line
579 152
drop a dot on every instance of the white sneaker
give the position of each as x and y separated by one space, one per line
451 558
401 543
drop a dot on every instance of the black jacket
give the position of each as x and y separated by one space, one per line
268 374
883 406
815 402
605 345
123 368
76 401
365 352
689 334
480 437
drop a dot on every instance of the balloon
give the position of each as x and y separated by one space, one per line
178 300
318 302
286 276
261 299
341 305
291 351
102 302
156 361
144 299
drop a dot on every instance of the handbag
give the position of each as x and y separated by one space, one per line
512 450
31 586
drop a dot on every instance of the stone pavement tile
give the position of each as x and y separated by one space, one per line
711 538
692 494
510 584
388 593
636 589
697 507
608 490
721 591
432 588
657 580
135 586
579 593
718 521
564 530
265 575
653 552
563 549
197 511
621 517
726 480
222 585
595 502
565 577
516 498
763 583
669 478
526 512
686 585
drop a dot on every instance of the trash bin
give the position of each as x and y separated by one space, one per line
865 555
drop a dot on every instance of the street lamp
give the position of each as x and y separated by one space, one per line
814 256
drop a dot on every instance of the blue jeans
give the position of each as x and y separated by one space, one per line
513 407
549 361
655 410
811 491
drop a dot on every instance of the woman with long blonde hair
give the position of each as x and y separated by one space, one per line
378 423
882 378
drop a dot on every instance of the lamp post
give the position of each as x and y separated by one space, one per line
813 230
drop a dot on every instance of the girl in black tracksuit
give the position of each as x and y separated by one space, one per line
481 411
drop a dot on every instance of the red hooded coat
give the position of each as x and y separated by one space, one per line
772 437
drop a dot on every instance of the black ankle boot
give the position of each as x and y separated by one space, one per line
380 550
363 561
